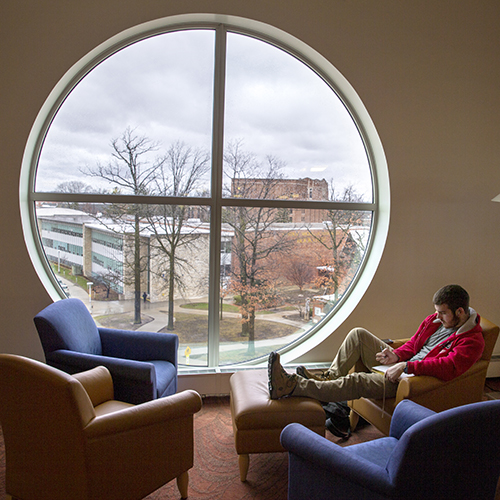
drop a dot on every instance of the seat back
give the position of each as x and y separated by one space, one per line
490 334
452 454
67 324
43 412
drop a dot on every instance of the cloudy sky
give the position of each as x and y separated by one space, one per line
163 88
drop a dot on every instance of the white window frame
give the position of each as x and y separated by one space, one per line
380 205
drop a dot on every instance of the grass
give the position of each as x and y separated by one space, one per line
193 328
203 306
66 273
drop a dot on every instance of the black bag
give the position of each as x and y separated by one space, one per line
337 419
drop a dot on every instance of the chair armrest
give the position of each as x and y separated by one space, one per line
152 442
410 387
73 362
333 459
177 406
97 383
405 415
141 346
425 389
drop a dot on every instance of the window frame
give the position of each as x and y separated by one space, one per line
380 205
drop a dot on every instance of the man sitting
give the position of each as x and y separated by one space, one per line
446 344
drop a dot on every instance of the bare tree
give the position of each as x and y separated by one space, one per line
129 172
298 271
337 240
180 173
73 187
108 279
255 239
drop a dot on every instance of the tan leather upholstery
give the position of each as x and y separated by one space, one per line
431 392
59 446
259 420
97 383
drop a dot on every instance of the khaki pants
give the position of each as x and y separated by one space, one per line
359 344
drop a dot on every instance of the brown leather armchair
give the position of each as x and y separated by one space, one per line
66 437
435 394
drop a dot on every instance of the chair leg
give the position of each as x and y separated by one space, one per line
244 462
353 419
182 484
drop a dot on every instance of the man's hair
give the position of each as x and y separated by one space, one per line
454 296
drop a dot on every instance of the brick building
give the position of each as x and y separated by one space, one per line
285 189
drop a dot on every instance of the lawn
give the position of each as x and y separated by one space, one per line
193 328
65 272
203 306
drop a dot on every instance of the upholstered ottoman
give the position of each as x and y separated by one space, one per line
258 420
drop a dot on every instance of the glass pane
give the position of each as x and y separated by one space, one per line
140 123
137 267
280 279
147 102
284 122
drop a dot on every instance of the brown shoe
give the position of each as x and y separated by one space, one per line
305 373
280 382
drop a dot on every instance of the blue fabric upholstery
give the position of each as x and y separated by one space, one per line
452 454
143 364
68 325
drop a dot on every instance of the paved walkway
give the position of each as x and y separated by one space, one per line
156 310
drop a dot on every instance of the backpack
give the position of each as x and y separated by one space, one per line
337 419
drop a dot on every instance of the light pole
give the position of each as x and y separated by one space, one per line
89 284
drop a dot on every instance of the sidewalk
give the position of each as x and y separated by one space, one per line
158 311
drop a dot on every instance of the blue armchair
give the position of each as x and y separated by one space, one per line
452 454
143 365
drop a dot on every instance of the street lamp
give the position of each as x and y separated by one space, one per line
89 284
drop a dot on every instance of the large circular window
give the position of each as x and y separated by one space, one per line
218 180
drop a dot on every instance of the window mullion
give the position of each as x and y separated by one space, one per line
216 192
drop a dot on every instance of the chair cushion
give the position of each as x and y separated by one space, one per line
258 420
111 406
254 409
67 324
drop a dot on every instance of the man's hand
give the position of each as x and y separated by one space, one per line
386 357
394 372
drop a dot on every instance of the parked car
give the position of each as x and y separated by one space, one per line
64 287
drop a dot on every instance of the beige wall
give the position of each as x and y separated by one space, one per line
428 72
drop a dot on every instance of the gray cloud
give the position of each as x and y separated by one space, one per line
163 87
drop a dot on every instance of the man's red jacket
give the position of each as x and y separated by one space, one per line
450 358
